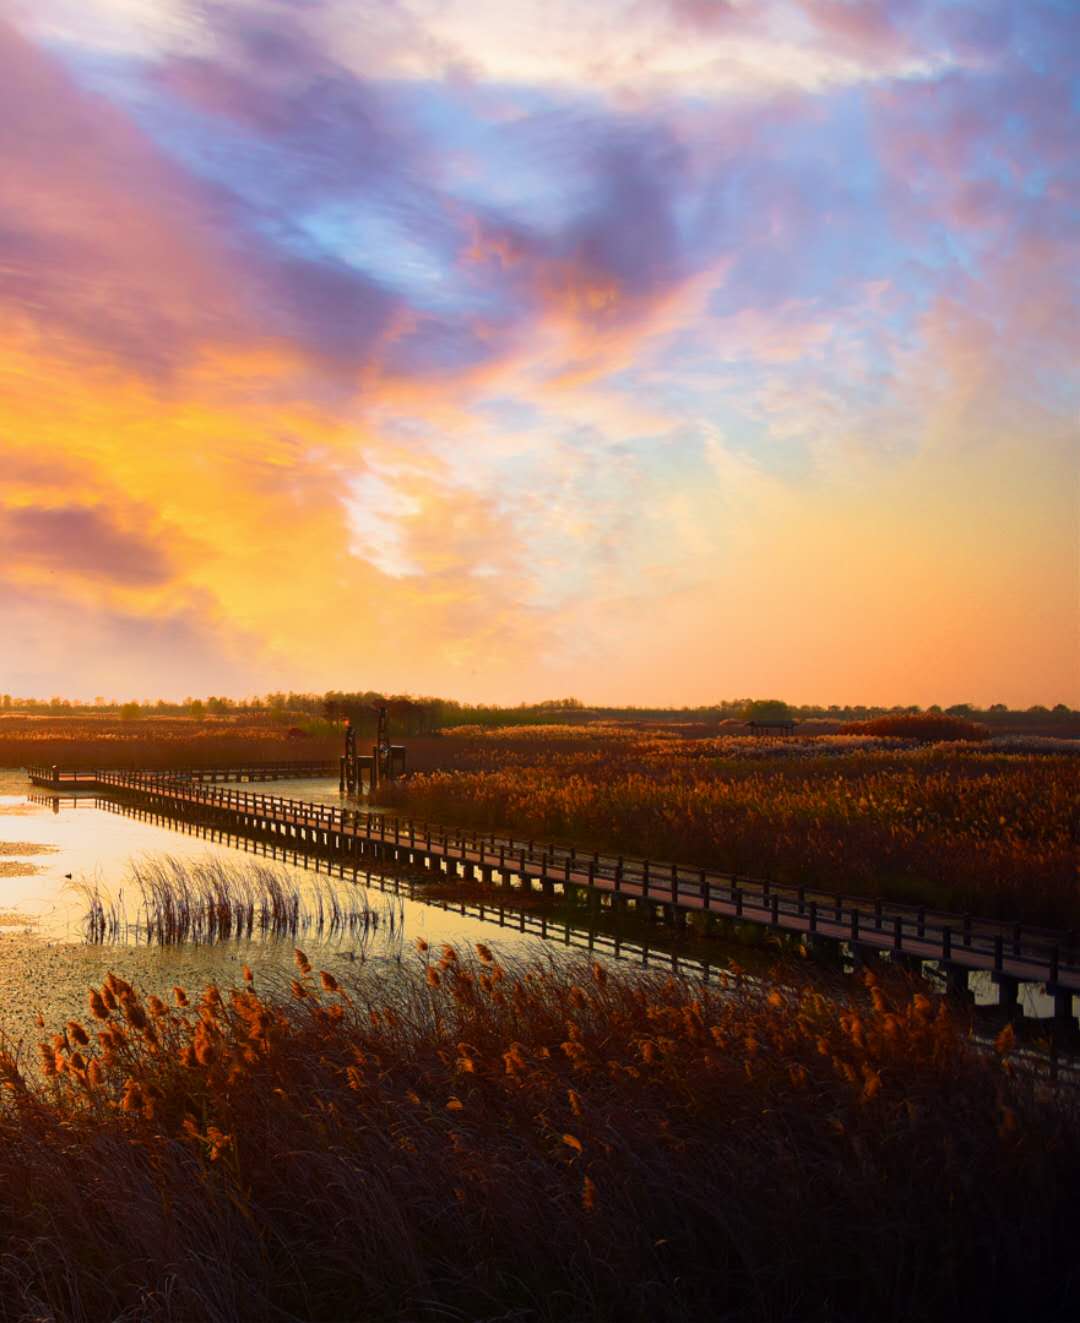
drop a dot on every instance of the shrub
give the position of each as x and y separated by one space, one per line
923 726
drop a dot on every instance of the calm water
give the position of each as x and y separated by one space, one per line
52 850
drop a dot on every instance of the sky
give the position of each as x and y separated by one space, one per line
651 351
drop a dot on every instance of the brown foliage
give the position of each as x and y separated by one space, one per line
153 742
959 826
532 1142
920 726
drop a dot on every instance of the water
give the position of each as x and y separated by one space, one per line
54 850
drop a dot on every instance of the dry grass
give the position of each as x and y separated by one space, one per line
532 1142
920 726
960 826
153 742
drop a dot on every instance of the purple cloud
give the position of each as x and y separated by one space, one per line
81 541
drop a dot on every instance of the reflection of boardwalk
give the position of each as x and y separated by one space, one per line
579 935
1014 953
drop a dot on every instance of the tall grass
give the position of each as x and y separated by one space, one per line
533 1141
956 826
155 743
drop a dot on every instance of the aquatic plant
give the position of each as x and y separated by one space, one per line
213 899
959 826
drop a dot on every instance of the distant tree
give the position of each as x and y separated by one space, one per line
997 707
1062 709
767 709
129 711
1038 707
195 708
959 710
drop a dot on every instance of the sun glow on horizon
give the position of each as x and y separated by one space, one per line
656 353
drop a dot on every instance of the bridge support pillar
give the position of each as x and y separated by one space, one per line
1008 994
956 982
1063 1003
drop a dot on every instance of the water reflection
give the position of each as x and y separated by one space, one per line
99 848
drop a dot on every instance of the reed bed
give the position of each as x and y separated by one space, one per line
156 742
215 900
963 827
534 1141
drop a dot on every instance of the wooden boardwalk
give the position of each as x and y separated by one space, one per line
62 778
1013 953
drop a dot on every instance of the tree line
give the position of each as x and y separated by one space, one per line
424 715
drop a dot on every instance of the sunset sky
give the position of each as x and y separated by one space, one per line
655 351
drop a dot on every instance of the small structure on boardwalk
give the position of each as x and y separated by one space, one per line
772 727
385 762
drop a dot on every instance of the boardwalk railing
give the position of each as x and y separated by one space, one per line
56 777
1015 953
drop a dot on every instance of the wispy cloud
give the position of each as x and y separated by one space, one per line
506 349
